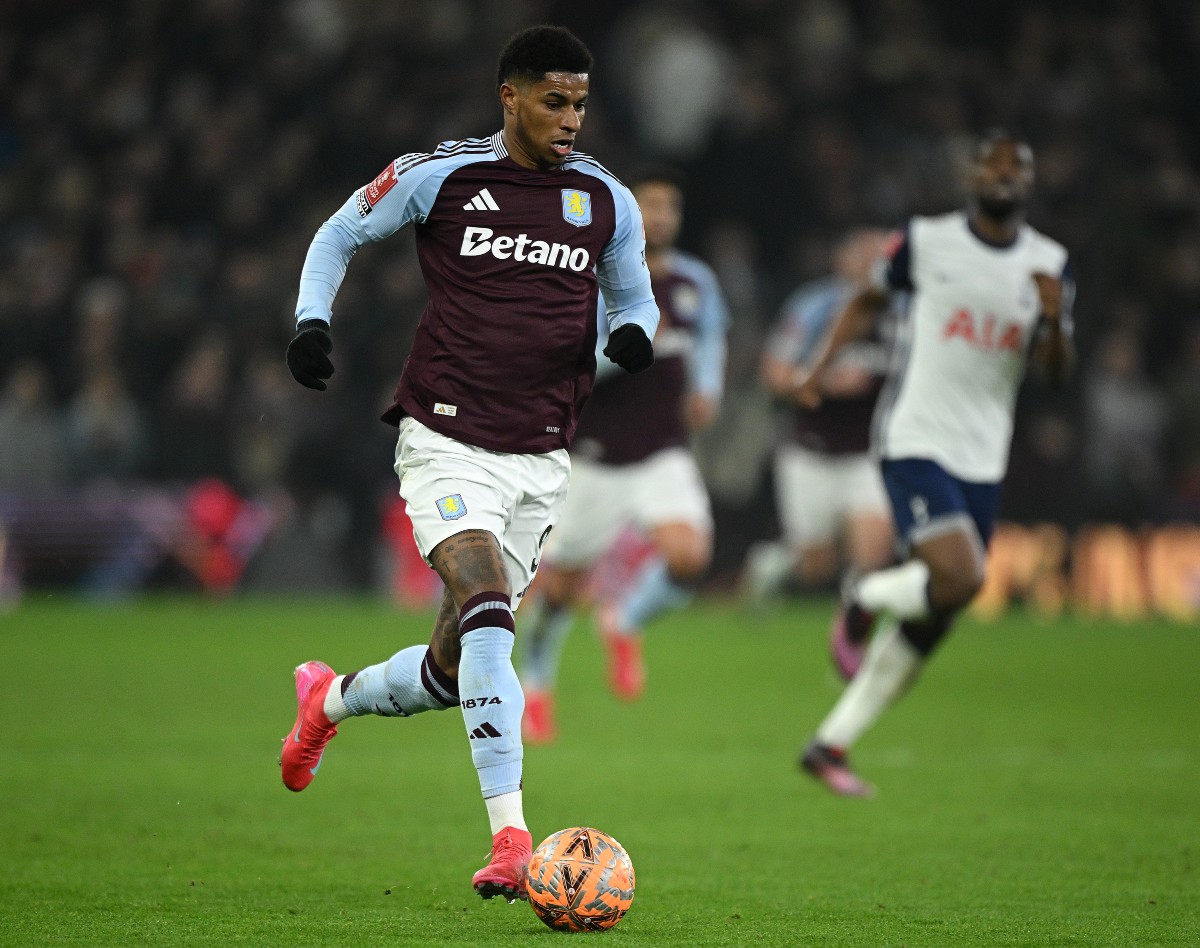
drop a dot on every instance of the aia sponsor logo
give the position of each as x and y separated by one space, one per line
986 332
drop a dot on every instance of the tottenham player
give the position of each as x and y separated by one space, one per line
632 468
986 290
829 493
517 235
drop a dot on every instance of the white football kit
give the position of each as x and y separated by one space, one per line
961 353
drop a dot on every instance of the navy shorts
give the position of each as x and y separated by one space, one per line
926 500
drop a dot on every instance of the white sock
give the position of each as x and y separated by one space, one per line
335 706
890 666
506 810
902 591
768 566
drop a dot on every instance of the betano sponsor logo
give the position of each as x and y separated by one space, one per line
478 241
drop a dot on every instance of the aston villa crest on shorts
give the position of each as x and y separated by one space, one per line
577 207
452 507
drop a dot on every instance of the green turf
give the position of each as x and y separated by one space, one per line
1039 787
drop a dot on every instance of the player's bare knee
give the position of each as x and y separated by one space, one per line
560 588
689 562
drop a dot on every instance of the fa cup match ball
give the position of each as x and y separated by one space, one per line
580 880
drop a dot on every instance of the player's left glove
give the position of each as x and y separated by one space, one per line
308 354
629 347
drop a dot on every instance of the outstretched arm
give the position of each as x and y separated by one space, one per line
854 322
372 213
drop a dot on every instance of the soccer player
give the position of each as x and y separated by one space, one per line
517 235
632 468
987 289
828 488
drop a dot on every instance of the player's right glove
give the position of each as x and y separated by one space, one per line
629 347
308 354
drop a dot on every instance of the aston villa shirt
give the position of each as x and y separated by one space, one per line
514 260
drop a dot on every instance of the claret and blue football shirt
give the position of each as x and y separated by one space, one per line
514 260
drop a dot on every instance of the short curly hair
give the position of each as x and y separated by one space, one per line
535 51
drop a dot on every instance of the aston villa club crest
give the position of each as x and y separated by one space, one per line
577 207
452 507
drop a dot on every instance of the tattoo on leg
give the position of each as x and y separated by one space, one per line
445 645
469 563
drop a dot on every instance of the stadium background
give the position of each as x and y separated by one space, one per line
163 167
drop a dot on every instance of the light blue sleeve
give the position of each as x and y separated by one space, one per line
621 270
707 368
605 367
807 317
786 337
817 315
409 188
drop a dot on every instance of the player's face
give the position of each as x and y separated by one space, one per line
1002 179
662 212
542 118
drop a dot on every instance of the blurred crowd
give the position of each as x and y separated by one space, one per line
163 167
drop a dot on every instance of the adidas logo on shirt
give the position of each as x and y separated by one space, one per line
483 201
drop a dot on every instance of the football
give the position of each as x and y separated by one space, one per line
580 880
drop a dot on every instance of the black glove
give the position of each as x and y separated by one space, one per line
630 349
308 354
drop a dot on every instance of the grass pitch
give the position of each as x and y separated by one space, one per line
1038 787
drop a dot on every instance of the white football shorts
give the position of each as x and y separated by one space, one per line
449 487
604 499
816 492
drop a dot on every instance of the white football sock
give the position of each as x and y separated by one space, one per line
506 810
335 707
890 666
902 591
769 564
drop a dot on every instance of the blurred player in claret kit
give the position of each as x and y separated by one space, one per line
987 291
518 235
829 492
632 468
